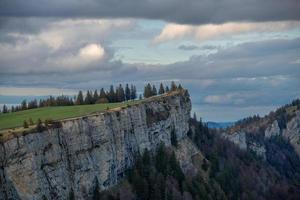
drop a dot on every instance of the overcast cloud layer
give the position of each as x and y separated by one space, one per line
191 11
236 57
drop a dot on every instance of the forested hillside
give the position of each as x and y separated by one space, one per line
225 172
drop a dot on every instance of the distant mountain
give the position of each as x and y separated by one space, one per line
219 124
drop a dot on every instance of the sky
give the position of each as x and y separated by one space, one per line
236 57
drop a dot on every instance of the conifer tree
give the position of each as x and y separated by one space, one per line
79 100
111 95
154 91
24 105
167 89
173 86
88 98
148 91
4 109
95 96
120 93
180 87
161 89
133 92
195 116
127 92
102 97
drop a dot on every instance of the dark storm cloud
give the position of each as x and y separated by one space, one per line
191 11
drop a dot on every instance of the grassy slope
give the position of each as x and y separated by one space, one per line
15 119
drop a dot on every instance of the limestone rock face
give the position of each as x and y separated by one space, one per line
258 149
238 138
96 148
292 132
273 130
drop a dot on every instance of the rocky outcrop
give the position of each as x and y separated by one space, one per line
238 138
258 149
292 132
272 130
96 148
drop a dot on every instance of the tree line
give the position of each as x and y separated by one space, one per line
113 95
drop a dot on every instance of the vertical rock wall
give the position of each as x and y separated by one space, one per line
83 151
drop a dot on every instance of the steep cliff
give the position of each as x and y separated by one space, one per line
95 148
254 136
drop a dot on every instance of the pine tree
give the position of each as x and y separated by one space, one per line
102 97
154 91
133 92
180 87
4 109
111 95
88 98
148 91
127 92
95 96
24 105
79 100
173 86
120 93
161 160
167 89
175 169
161 89
195 116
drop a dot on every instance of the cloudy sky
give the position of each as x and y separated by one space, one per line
236 57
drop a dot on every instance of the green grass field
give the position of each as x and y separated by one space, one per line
15 119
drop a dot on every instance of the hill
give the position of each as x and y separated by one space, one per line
219 124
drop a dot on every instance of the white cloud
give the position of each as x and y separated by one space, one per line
86 56
173 31
92 52
60 45
210 31
229 98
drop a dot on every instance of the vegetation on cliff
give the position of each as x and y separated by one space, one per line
231 173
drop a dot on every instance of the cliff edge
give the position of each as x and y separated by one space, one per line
96 148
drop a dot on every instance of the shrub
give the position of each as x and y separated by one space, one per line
25 124
39 125
30 121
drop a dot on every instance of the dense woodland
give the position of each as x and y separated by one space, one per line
112 95
226 172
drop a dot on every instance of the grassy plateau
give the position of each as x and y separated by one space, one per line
15 119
